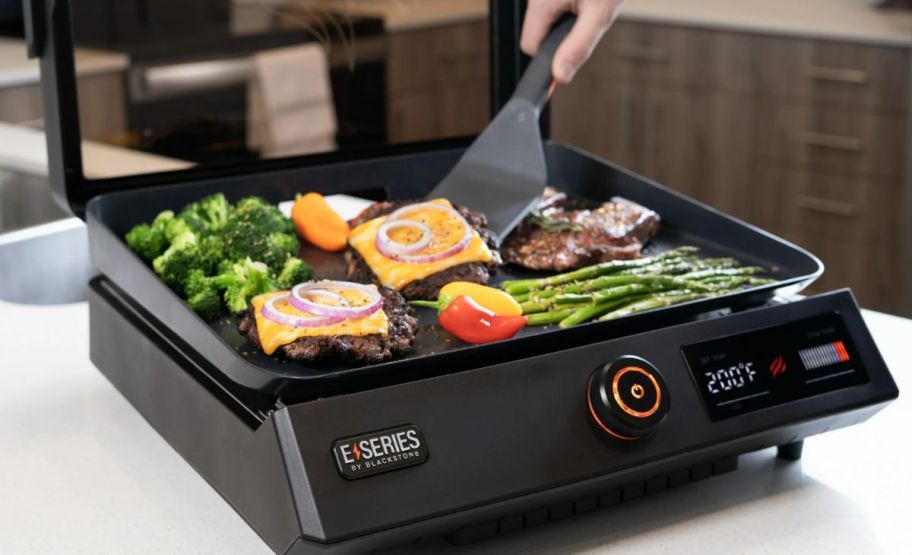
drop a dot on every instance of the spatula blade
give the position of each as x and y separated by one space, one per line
503 173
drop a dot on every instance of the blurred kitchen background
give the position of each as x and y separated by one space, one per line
793 115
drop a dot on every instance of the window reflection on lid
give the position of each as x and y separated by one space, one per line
209 82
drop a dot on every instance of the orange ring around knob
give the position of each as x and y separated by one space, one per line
623 405
599 422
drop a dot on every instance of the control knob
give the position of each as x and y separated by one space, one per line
627 398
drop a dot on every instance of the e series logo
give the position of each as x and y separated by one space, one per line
382 451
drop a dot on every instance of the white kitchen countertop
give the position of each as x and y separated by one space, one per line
397 15
83 473
25 150
16 69
853 20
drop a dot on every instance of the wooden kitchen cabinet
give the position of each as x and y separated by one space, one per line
428 113
696 143
600 116
661 55
803 137
852 76
693 141
438 81
830 139
850 223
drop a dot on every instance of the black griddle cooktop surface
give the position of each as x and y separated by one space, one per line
684 222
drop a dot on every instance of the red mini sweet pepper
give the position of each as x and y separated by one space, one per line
473 323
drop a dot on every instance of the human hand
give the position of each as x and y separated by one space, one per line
593 19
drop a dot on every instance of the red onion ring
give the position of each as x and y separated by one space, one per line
391 248
340 300
416 258
298 299
397 214
270 312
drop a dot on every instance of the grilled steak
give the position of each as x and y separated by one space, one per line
403 325
558 237
429 287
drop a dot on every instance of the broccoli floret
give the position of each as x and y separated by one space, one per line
174 266
197 282
203 295
212 253
184 239
162 220
250 229
207 303
212 248
194 223
176 263
267 214
149 241
175 227
243 281
294 271
207 215
224 266
146 242
249 203
279 248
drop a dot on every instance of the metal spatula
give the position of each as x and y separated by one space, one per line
503 173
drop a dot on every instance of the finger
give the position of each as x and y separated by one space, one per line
540 16
591 23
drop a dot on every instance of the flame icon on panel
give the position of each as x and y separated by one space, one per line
778 366
356 451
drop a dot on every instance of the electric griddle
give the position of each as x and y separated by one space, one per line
461 441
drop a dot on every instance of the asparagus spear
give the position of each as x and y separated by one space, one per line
674 268
717 272
682 265
613 289
517 287
537 297
596 284
614 307
646 284
550 317
651 303
522 298
730 282
616 288
678 266
634 296
587 313
534 307
609 299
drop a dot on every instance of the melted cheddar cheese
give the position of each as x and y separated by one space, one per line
274 335
397 274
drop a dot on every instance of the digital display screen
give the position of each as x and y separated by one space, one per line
762 368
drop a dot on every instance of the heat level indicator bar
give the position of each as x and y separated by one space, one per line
824 355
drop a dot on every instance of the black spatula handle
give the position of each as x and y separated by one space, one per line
535 82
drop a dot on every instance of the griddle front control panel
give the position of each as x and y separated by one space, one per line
608 411
627 398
